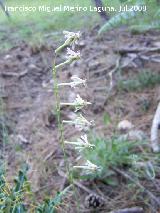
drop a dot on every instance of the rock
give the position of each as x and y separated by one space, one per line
33 67
81 44
7 57
133 135
125 125
156 44
137 135
93 64
44 84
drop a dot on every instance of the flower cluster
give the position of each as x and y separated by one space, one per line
89 167
79 103
81 143
80 122
76 81
71 40
72 55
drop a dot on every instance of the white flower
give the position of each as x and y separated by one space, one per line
81 143
71 37
71 55
80 123
75 82
79 103
89 167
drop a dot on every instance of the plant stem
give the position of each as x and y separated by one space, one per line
150 194
58 115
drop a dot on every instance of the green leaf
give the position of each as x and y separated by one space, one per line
21 179
117 20
106 118
111 181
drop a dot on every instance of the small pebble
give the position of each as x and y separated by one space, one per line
125 125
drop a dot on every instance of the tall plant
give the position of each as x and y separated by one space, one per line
80 122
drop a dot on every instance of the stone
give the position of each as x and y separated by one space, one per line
125 125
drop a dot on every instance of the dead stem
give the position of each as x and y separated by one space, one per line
150 194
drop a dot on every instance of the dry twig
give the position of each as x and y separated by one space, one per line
129 210
78 184
150 194
13 74
136 50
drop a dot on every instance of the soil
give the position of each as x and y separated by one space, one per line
27 92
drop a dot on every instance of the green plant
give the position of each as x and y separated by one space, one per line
144 79
4 139
106 118
37 26
113 154
50 205
109 153
146 12
101 156
80 122
18 198
12 198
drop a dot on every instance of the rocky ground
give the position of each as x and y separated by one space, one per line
27 94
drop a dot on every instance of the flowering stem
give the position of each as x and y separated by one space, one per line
60 48
68 122
67 104
81 167
58 114
74 143
64 84
66 43
73 104
62 64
